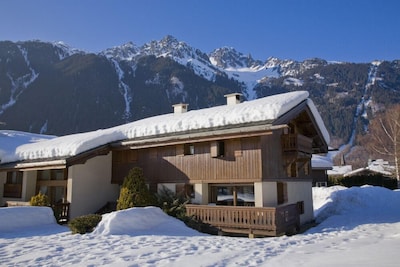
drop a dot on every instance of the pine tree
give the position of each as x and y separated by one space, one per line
134 191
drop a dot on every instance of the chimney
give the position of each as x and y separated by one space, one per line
233 99
180 108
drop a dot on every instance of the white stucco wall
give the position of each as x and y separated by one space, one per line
200 194
265 194
302 191
29 185
89 186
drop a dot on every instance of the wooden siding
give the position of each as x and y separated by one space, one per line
241 163
272 165
268 156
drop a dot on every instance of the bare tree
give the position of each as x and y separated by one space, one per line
384 136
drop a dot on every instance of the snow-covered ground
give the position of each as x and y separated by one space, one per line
359 226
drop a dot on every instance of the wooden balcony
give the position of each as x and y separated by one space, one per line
248 220
12 190
296 143
61 212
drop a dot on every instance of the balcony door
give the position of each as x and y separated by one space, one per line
232 195
52 183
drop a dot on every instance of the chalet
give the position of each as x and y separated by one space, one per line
320 165
246 166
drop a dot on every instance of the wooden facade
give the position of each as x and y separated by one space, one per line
276 155
240 162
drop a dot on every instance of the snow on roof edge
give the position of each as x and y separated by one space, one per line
319 121
267 108
321 162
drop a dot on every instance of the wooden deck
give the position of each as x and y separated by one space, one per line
248 220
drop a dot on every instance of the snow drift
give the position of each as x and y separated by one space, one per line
13 219
142 221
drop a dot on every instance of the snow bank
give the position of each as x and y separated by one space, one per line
366 203
13 219
142 221
372 242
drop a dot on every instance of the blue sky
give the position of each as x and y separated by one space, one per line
343 30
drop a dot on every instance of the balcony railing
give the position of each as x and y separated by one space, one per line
12 190
61 212
250 220
296 143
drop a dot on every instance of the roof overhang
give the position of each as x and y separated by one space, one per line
310 125
199 136
34 165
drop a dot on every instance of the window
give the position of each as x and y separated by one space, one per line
282 192
14 177
217 149
300 207
188 149
52 183
184 190
226 195
292 170
321 184
13 185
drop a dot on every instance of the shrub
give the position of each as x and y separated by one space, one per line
359 180
84 224
171 203
134 191
40 200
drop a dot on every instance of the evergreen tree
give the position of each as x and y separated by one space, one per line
134 191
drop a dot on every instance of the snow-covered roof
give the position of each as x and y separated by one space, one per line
265 109
340 170
356 171
321 162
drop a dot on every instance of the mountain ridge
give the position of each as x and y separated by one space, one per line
89 91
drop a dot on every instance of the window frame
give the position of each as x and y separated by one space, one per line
188 149
281 193
13 185
217 149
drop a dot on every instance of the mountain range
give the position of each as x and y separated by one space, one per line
51 88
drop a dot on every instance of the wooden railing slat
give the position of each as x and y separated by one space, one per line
252 218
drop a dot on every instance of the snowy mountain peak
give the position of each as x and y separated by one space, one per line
66 50
126 51
288 67
169 46
182 53
229 58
